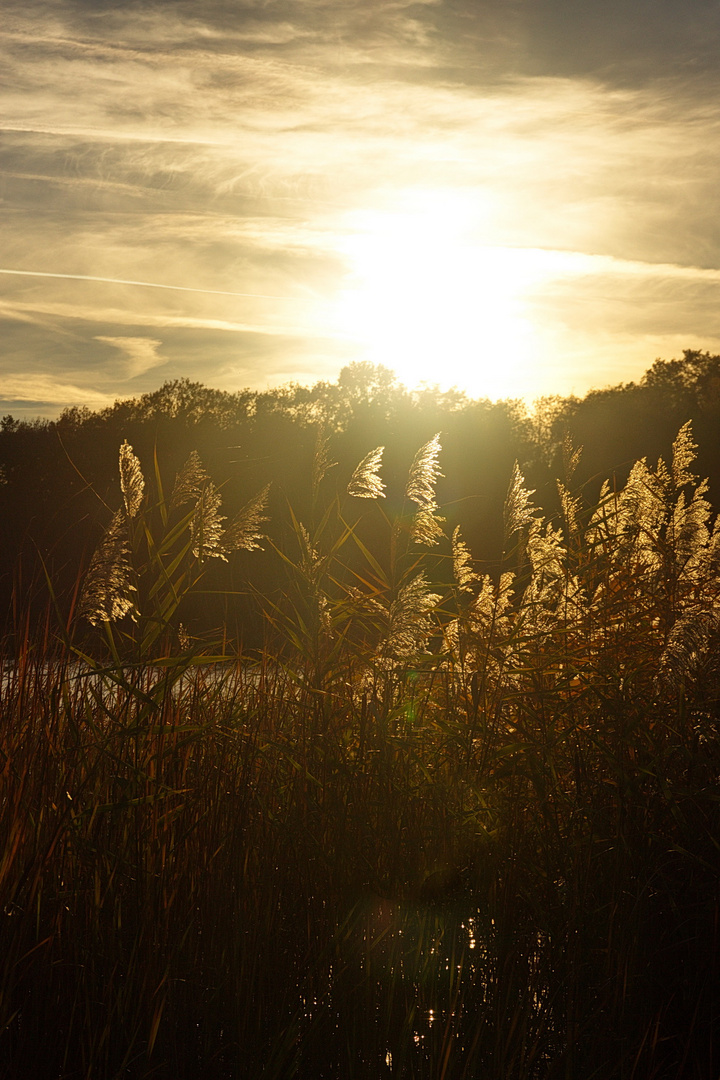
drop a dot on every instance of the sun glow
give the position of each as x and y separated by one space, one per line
428 300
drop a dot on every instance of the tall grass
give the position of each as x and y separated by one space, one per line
443 826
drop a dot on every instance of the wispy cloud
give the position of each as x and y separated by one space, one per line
140 353
45 390
141 284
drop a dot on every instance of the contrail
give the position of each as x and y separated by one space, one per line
148 284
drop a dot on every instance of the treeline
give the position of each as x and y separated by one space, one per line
59 481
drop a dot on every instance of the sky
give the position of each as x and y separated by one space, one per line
513 197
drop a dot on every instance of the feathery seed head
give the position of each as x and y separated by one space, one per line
409 617
518 510
465 577
688 530
689 645
365 482
244 530
321 460
684 454
108 587
190 481
312 563
427 528
132 482
492 603
571 456
570 507
423 475
206 525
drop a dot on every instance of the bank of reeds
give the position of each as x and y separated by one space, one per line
445 826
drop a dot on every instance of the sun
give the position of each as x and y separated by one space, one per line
428 300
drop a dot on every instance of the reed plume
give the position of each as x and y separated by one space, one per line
423 475
570 505
206 525
518 510
426 528
244 531
132 481
365 482
571 455
107 593
321 461
684 454
108 590
410 624
189 482
465 577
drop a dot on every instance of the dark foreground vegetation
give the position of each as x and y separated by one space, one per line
445 812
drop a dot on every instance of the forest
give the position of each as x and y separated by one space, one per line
59 478
349 731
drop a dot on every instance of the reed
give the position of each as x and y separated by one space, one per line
445 825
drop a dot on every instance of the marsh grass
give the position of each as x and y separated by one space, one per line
443 826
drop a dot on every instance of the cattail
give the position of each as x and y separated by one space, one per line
518 510
132 482
244 530
424 473
107 591
365 482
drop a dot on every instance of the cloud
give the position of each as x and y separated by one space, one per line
44 389
141 353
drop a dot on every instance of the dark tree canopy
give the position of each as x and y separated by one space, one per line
59 486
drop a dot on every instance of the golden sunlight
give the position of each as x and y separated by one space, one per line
430 301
